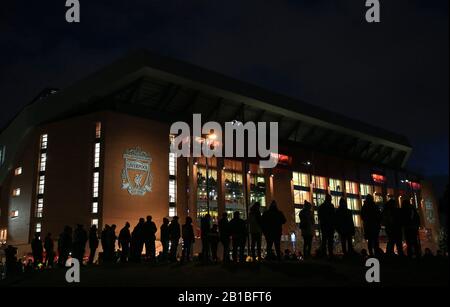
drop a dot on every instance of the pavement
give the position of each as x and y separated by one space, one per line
311 273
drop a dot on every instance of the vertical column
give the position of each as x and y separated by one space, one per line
192 200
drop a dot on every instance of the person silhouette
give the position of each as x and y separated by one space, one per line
93 243
112 242
137 240
149 232
327 226
345 226
272 222
64 246
49 250
411 223
164 231
37 249
174 237
392 220
124 241
80 238
255 227
188 239
205 228
238 231
307 227
224 234
371 217
213 238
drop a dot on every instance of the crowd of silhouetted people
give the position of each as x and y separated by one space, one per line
234 235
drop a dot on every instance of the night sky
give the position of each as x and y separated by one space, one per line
394 74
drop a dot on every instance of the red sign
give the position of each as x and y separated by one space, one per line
378 178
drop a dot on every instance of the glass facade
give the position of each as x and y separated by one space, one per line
207 192
257 189
234 193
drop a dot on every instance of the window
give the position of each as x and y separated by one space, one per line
97 155
172 211
95 207
300 197
16 192
41 185
318 198
335 200
43 162
95 185
297 216
3 236
354 204
257 189
15 213
319 182
94 222
39 208
234 193
300 179
351 187
366 189
98 130
44 140
336 185
172 164
18 171
38 228
172 191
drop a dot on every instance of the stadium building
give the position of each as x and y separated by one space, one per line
97 152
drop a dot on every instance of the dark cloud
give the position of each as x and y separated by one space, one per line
393 74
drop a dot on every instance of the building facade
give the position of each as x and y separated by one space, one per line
99 153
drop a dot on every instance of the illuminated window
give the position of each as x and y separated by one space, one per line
95 185
300 197
97 155
43 162
15 213
172 191
41 185
18 171
297 215
354 204
95 207
172 164
335 200
357 219
44 140
351 187
98 130
366 189
3 236
318 198
172 211
258 189
319 182
234 193
336 185
38 227
94 222
300 179
40 207
16 192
